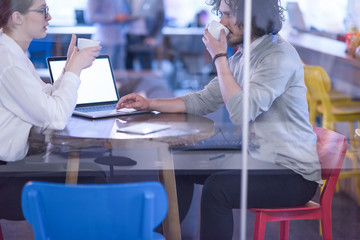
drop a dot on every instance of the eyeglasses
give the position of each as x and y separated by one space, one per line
44 11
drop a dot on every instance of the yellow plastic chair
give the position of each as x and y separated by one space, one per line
335 97
317 80
357 141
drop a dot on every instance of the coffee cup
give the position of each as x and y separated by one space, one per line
215 27
85 43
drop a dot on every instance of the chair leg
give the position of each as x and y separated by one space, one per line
1 235
326 228
337 187
352 143
353 155
312 111
357 152
357 184
259 226
284 230
355 148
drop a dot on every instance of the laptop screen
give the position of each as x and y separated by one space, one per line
97 82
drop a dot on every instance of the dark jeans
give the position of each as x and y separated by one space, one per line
221 194
137 49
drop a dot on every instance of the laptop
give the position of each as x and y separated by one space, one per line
296 17
97 94
147 9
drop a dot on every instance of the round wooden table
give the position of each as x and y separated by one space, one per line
184 129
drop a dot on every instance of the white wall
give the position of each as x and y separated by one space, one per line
62 12
353 18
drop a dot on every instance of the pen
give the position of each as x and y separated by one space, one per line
217 156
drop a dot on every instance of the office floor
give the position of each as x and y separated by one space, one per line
346 224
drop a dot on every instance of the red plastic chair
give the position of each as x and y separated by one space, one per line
331 147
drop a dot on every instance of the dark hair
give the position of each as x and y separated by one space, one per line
267 15
8 7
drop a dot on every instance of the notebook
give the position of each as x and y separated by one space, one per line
97 94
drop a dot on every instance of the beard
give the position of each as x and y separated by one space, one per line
234 41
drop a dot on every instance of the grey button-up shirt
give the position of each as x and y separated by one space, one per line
278 111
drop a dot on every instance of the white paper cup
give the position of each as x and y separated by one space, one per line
215 27
85 43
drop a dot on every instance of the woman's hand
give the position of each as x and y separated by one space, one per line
72 46
134 100
80 60
214 46
70 50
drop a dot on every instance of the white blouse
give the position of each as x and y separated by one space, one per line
26 101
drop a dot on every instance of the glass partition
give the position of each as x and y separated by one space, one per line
251 100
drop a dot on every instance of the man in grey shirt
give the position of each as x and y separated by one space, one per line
278 117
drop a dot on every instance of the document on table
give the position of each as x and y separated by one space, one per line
143 128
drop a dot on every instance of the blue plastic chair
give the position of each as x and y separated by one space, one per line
110 211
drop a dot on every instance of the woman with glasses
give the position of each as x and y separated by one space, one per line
27 104
25 100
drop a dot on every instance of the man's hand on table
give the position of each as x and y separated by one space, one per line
134 100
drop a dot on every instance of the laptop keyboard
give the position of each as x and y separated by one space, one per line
97 108
219 141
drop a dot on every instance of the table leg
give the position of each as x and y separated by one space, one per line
72 170
171 224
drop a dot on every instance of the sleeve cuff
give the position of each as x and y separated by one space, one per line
71 78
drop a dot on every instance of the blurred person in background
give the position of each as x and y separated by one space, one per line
111 18
201 19
145 32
